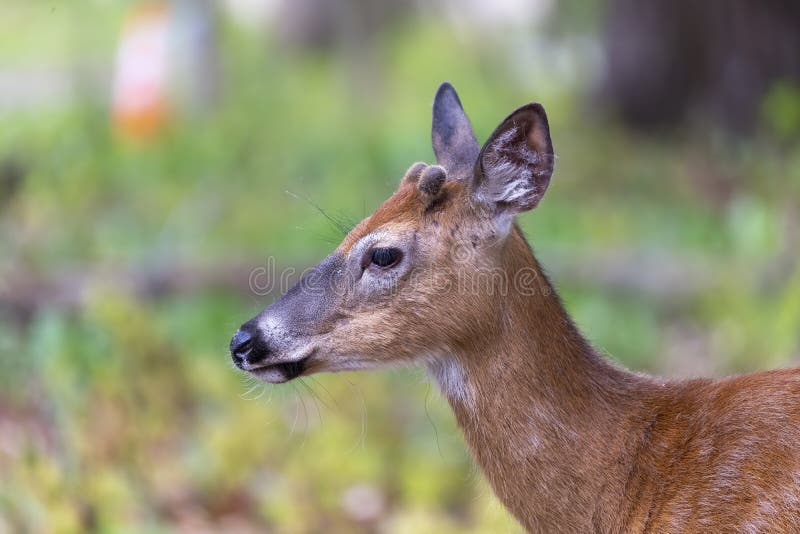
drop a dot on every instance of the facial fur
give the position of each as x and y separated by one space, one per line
391 317
440 242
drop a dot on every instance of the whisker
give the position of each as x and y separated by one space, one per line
320 384
430 420
305 416
316 395
261 394
363 437
248 392
315 398
336 223
296 412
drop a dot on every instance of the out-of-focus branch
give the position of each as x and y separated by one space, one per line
23 292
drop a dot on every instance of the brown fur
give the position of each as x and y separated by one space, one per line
572 443
403 206
569 441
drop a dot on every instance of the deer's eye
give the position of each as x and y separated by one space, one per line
385 257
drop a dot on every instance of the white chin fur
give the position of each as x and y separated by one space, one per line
448 373
273 375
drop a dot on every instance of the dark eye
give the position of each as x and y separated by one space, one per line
385 257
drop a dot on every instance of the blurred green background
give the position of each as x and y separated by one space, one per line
671 231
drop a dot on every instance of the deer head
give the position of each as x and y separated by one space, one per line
424 275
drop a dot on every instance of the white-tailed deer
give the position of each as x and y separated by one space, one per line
441 275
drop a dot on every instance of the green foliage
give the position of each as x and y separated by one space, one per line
124 414
782 110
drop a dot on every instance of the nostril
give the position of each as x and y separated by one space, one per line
241 343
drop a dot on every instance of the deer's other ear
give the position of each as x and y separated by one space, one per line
515 165
454 143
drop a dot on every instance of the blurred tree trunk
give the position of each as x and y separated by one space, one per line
197 57
666 58
348 27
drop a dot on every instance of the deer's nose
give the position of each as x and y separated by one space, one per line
241 346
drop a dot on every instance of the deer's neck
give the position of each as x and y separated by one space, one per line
543 413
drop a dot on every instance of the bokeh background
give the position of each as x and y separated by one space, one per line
153 155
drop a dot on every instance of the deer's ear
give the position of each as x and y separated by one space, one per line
515 165
454 142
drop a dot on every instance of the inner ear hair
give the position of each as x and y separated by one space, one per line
431 180
413 173
515 165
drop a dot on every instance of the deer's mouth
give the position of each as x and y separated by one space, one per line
277 373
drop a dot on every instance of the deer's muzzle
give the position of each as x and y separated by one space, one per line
276 344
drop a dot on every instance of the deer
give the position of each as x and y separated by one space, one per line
441 276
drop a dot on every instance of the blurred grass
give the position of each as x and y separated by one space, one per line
124 414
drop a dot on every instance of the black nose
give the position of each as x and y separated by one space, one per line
241 346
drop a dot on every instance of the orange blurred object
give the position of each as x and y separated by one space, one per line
140 105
